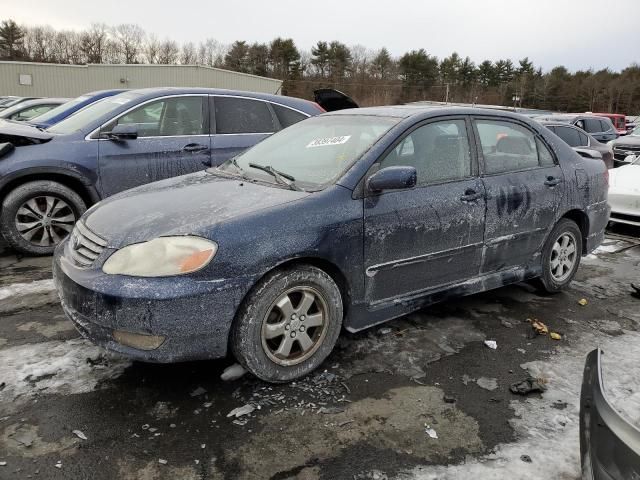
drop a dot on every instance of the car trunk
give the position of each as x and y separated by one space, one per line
331 99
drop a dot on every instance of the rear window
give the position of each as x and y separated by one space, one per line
592 125
570 135
242 115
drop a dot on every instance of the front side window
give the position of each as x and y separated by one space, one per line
242 115
167 117
506 146
606 125
315 152
439 152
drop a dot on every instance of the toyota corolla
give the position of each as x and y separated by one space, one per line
345 220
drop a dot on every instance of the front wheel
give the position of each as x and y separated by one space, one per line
288 324
37 216
561 256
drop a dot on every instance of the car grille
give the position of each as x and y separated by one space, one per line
85 246
620 151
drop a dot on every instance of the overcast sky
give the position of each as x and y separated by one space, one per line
579 34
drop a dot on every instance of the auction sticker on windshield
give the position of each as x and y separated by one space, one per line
323 142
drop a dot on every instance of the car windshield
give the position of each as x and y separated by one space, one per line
313 153
635 132
86 116
45 117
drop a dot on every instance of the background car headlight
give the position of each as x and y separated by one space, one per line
161 257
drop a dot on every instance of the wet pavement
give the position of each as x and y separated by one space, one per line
419 397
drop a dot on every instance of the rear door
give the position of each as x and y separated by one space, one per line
429 236
523 184
238 123
173 140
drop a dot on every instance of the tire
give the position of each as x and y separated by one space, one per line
555 279
262 315
35 199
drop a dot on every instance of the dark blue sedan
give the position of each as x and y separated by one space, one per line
49 177
347 220
69 108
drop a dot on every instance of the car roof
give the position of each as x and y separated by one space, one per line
406 111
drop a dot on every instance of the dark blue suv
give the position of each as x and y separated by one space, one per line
49 177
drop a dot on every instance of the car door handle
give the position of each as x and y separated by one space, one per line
195 147
552 181
470 195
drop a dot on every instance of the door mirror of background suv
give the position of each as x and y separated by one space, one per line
392 178
124 132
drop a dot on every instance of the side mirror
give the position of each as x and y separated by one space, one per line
124 132
392 178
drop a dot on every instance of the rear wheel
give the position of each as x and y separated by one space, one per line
37 216
561 256
288 324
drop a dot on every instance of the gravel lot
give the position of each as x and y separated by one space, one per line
69 410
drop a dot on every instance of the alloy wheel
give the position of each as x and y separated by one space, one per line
563 257
295 326
44 220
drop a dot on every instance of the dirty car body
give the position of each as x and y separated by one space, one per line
609 444
393 238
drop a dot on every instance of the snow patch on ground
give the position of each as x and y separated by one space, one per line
67 367
21 289
548 435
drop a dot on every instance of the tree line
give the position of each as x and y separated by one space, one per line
370 77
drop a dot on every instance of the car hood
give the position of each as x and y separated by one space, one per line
626 178
20 134
630 140
187 205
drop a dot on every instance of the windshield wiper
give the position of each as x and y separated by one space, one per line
280 177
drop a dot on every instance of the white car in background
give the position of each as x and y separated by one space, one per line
624 192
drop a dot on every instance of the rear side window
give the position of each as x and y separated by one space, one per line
570 135
242 115
506 146
287 116
593 125
606 126
545 157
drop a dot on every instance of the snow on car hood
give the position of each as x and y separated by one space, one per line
625 178
186 205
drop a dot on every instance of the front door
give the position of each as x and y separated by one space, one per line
173 139
239 123
523 183
429 236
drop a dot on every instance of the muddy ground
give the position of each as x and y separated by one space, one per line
68 410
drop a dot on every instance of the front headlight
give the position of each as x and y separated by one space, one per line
161 257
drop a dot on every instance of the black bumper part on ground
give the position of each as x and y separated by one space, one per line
609 445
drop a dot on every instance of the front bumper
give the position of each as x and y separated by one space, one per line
625 206
193 314
609 445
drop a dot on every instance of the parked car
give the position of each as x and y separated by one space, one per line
63 111
31 108
600 128
609 444
624 192
632 123
347 219
618 120
11 101
49 177
581 141
625 146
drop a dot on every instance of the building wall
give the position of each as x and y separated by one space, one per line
52 80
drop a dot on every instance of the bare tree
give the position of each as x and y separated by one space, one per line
129 38
151 49
93 42
168 52
39 43
188 56
66 47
